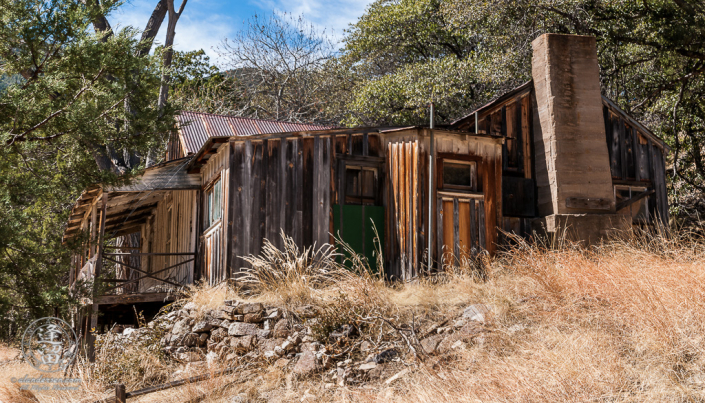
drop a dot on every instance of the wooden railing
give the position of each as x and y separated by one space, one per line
173 276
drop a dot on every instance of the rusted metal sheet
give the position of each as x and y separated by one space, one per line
195 128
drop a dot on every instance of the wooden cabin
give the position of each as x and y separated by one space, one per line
548 156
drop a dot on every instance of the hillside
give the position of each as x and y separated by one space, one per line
622 322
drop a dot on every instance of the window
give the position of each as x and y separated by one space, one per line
360 185
639 210
213 204
459 175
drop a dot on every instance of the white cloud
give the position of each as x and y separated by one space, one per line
205 23
195 29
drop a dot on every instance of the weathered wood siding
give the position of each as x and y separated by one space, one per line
213 240
170 229
279 184
636 160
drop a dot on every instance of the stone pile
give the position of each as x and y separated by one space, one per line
257 331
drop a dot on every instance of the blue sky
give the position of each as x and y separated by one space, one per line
205 23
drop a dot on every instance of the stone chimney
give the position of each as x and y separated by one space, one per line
573 168
567 84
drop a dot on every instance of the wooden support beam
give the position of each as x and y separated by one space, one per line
96 282
123 299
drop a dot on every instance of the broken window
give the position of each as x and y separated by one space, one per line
637 209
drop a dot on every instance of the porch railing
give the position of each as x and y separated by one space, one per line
129 277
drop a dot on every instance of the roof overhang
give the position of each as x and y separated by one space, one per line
129 205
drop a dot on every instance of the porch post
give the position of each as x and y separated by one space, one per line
98 268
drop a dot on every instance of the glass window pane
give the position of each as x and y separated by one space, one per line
456 174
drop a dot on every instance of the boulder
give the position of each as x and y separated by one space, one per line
218 334
181 328
242 329
202 339
253 317
306 364
263 334
202 326
254 307
281 329
244 343
191 340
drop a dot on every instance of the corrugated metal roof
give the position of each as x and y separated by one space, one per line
195 128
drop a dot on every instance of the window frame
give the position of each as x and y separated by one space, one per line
208 191
463 160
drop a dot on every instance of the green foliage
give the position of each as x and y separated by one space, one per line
61 120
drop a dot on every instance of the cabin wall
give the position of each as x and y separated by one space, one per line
636 161
213 239
406 183
170 229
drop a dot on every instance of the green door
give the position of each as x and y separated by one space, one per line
356 225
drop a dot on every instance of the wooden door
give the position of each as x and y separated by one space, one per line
461 229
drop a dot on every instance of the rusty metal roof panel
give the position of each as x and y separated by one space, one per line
196 128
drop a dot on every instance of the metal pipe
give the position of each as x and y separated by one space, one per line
476 128
430 193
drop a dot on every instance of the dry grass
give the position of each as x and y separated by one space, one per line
623 322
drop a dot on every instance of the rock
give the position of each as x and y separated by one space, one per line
225 324
211 357
306 364
190 356
191 340
273 314
385 356
202 326
254 307
263 334
450 342
287 346
181 327
128 331
238 318
218 334
429 344
191 306
278 351
367 366
269 354
365 347
281 329
244 343
269 344
477 312
253 317
306 311
242 329
231 302
202 339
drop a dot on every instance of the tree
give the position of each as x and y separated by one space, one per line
64 125
277 63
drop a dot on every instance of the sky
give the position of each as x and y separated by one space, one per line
205 23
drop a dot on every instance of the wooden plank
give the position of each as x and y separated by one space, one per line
124 299
272 206
439 233
616 148
482 230
456 230
317 174
503 133
258 198
448 231
365 145
464 229
473 226
324 188
415 227
308 173
235 226
623 148
291 185
526 134
283 192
